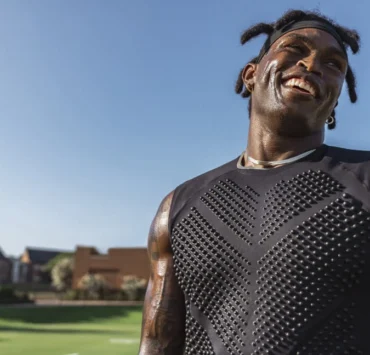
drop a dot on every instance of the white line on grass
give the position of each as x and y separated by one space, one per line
123 341
73 354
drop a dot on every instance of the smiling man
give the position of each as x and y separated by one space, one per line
269 253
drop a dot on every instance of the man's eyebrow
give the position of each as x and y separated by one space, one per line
310 42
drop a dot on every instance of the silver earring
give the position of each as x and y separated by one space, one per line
330 120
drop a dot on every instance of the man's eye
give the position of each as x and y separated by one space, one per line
335 64
295 47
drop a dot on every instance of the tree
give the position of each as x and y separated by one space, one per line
51 263
62 274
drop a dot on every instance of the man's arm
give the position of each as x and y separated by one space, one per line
163 329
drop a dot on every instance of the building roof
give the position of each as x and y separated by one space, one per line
42 256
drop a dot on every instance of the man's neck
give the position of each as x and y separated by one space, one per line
267 146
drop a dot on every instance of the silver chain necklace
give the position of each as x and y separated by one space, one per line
279 162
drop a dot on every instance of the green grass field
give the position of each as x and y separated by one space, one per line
107 330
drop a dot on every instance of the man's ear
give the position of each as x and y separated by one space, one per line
248 75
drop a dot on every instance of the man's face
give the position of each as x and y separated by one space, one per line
298 82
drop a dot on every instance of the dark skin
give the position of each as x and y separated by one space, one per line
163 329
285 121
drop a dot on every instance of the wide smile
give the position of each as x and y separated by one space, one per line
301 86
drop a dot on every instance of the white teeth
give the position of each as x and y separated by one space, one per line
301 84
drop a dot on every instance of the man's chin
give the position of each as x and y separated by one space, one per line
293 127
293 120
291 106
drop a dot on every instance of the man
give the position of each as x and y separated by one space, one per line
269 253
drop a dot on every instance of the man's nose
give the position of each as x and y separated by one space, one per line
311 64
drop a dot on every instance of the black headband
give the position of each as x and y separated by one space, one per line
292 26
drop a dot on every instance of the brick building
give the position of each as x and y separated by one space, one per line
118 262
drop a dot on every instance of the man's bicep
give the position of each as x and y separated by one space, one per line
164 310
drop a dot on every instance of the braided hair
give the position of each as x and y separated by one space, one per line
349 37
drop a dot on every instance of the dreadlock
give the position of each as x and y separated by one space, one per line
349 37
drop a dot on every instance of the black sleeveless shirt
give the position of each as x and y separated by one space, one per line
276 261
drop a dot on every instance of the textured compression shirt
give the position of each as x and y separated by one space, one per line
276 261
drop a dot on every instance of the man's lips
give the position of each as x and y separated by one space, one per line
303 83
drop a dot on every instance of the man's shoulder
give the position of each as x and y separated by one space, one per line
191 187
203 179
349 156
356 161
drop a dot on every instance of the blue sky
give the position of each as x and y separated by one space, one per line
106 106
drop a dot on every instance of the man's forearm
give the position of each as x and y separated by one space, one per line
163 331
163 319
154 347
163 324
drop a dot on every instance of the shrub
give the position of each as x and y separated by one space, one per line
71 295
9 296
133 288
108 295
94 285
